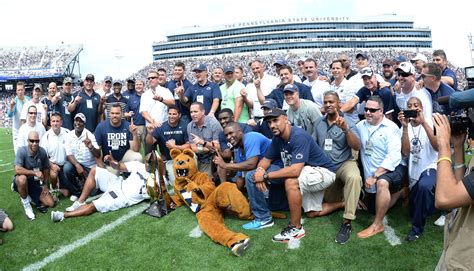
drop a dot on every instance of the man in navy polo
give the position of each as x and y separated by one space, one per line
432 78
132 110
170 135
118 138
286 76
89 103
371 87
204 91
307 171
115 98
178 86
447 75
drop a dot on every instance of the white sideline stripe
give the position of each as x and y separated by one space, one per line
389 233
196 232
294 244
84 240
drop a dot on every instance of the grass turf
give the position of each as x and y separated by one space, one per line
146 242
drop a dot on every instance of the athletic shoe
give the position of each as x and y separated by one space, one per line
258 224
344 233
73 198
74 206
440 221
239 247
289 233
57 216
29 211
411 237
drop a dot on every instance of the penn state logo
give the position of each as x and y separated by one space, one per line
208 88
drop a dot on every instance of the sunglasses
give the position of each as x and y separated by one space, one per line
402 74
152 77
426 75
33 141
33 113
371 110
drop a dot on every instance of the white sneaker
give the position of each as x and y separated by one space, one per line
29 211
440 221
74 206
57 216
73 198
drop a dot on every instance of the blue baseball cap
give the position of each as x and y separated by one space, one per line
280 62
400 59
199 68
269 103
228 69
291 87
363 55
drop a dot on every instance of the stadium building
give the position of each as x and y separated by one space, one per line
344 33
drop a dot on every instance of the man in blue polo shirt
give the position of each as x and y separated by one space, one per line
178 86
307 171
132 110
371 87
89 103
170 135
448 76
432 78
118 138
204 91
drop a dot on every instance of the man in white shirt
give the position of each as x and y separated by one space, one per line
266 82
155 101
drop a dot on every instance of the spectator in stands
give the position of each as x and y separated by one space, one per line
170 135
118 138
301 113
204 91
178 86
335 134
317 83
30 125
53 143
89 103
371 88
106 88
263 81
447 75
133 108
115 98
420 146
380 152
286 76
63 100
35 100
432 76
203 135
130 88
307 171
81 153
234 96
218 75
239 75
14 112
31 178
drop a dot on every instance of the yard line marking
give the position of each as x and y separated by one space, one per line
196 232
84 240
389 233
7 170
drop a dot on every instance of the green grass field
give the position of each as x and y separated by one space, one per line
164 244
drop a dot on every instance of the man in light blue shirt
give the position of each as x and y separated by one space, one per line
380 141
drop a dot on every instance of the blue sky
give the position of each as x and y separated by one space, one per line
128 28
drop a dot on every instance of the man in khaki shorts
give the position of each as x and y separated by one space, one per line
307 171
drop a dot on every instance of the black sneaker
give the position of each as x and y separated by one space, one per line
411 237
344 233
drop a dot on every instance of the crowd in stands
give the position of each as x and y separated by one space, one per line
294 133
38 61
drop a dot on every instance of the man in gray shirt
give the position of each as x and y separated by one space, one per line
302 113
334 135
203 134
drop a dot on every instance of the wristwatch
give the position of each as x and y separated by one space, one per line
265 177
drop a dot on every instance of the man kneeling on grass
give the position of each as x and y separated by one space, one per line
118 193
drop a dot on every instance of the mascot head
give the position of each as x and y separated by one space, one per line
184 164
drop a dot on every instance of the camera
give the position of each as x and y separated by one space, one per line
463 120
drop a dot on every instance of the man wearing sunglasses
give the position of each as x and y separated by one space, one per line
30 125
35 100
31 178
432 78
380 152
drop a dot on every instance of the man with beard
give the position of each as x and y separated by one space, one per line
388 74
81 153
170 135
31 178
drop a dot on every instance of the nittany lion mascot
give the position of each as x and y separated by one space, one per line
196 190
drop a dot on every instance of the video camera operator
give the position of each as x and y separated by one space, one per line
454 190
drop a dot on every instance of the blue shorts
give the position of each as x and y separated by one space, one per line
34 189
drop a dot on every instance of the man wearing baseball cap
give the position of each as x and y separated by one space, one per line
64 99
302 113
307 171
234 96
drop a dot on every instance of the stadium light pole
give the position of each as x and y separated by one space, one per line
119 58
471 49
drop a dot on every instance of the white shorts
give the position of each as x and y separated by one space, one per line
113 197
313 181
